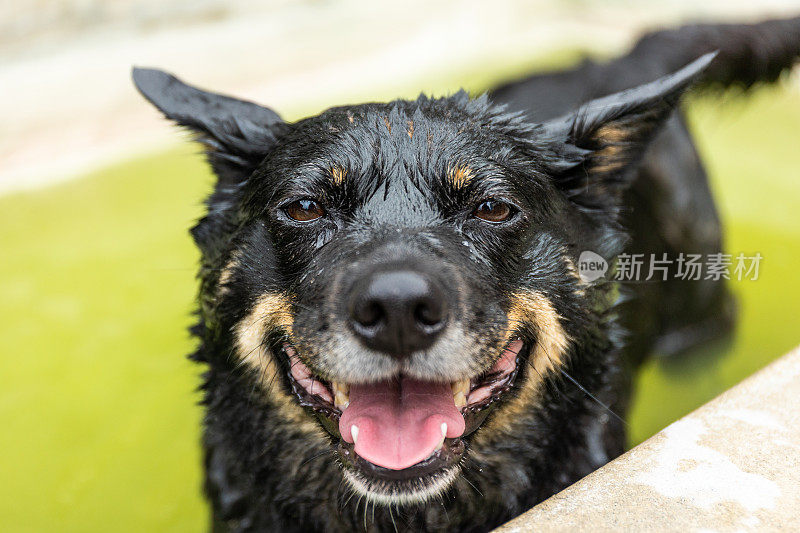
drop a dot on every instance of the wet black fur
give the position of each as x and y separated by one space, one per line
261 472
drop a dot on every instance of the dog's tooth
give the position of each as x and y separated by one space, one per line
460 391
444 432
341 395
341 403
460 399
344 388
354 432
461 385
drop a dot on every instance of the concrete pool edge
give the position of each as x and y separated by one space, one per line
732 464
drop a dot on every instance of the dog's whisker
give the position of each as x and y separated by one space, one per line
593 397
391 515
350 493
316 456
365 511
444 507
473 486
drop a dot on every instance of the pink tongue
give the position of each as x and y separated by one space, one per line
400 421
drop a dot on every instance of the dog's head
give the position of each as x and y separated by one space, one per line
403 274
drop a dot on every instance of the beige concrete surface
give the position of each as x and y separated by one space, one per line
732 465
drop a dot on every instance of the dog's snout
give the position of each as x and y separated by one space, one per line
398 312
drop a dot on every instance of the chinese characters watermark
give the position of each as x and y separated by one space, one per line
655 267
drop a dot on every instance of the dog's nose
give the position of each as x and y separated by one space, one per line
398 312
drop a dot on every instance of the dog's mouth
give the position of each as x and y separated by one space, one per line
403 428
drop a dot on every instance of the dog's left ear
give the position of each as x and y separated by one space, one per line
237 134
590 153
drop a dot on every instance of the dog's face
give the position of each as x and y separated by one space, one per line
399 259
403 275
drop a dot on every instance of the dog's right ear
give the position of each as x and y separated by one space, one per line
237 134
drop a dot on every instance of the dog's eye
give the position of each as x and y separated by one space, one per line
304 210
493 211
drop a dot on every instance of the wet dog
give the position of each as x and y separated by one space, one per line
394 328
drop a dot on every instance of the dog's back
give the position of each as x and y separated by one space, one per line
747 54
670 209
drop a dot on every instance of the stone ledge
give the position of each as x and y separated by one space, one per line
731 465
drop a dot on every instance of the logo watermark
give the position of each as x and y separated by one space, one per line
652 267
591 266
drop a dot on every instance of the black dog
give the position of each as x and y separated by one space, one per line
393 327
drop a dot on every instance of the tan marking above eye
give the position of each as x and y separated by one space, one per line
305 210
338 174
459 175
493 211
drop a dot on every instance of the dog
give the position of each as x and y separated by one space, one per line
393 326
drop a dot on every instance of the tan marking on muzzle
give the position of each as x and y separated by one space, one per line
534 308
459 176
271 311
549 353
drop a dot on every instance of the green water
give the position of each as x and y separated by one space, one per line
100 427
750 147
